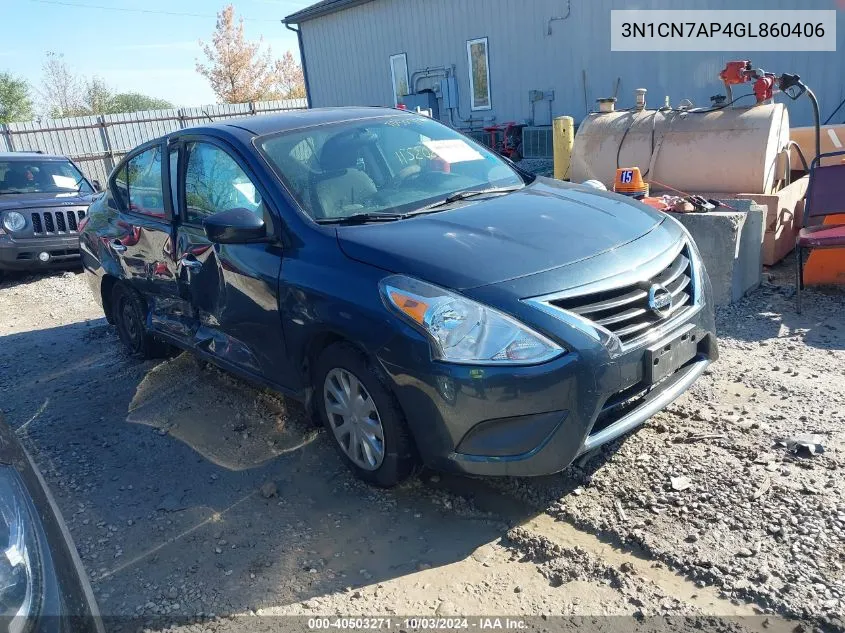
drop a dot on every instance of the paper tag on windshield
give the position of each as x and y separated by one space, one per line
453 150
65 182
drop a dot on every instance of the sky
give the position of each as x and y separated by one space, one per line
134 45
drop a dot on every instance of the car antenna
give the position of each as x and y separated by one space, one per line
208 116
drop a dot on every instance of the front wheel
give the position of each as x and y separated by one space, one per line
367 426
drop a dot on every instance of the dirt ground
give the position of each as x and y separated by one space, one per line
190 494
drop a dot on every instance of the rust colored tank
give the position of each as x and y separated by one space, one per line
731 150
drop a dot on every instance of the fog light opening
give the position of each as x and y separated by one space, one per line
44 256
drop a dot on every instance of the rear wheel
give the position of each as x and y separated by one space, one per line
359 410
129 313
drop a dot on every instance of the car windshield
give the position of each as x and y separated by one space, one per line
387 165
41 176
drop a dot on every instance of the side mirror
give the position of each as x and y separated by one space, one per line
235 226
97 186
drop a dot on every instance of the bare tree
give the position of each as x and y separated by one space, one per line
61 90
237 69
290 78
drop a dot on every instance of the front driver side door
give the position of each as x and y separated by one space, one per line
233 288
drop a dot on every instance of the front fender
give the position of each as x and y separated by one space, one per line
329 301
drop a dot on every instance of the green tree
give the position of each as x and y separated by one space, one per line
135 102
97 97
15 101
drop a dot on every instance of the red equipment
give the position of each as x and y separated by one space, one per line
734 72
506 139
741 72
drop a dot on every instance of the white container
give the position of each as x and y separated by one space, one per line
731 150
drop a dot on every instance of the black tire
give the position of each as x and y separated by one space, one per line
400 459
129 312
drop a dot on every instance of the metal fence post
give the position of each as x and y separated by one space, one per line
104 132
181 118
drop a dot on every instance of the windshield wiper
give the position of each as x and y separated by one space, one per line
361 218
5 191
460 195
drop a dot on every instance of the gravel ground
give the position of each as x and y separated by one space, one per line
190 494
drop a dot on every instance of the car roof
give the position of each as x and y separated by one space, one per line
243 128
293 119
30 156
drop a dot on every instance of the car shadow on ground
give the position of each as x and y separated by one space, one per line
188 491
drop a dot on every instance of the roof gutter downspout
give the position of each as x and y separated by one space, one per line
302 60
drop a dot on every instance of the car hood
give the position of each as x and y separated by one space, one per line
546 225
12 201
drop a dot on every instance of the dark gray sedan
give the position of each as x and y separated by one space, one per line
431 302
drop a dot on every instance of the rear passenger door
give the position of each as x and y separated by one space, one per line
143 228
233 288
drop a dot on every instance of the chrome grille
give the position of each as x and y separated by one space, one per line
56 221
625 311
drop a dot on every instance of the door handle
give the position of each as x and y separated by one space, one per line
190 262
118 247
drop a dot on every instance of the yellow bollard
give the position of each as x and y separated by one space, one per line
563 137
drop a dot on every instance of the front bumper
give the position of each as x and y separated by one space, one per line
528 421
23 253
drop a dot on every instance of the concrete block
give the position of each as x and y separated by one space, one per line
730 243
783 219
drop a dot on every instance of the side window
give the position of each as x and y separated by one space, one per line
214 182
143 177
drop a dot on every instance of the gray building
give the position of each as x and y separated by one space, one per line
527 60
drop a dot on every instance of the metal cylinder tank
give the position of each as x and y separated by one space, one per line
730 150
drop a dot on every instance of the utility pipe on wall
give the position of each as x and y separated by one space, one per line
302 61
431 71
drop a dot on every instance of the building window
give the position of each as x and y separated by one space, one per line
479 74
399 76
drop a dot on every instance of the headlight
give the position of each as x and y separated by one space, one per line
14 221
462 330
20 566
